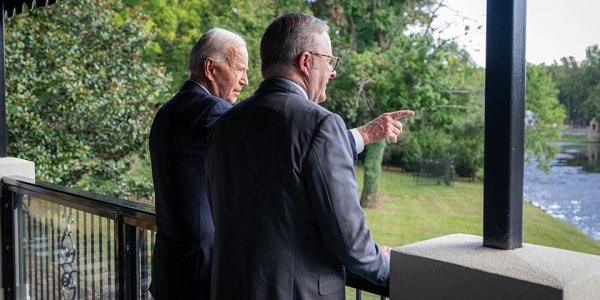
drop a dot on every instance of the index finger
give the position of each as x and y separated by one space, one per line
402 113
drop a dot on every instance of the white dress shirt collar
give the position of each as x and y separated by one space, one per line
196 82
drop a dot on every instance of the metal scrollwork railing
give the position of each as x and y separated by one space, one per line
67 252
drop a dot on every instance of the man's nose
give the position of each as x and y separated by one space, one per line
244 79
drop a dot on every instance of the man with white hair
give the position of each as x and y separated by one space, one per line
181 262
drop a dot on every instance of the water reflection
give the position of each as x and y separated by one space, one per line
584 155
571 191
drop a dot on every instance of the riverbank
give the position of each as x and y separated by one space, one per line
407 213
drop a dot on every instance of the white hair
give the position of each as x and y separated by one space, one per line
215 43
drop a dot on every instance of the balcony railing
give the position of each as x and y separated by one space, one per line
62 243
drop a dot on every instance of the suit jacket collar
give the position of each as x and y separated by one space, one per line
192 86
280 85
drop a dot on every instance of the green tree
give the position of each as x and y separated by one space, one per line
461 135
467 130
179 24
466 148
79 94
548 115
591 104
391 61
578 83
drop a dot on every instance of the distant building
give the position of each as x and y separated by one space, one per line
581 127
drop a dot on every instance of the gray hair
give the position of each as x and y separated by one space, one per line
215 43
287 36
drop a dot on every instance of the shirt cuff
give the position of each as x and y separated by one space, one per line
358 140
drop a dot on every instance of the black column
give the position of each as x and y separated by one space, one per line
3 138
504 124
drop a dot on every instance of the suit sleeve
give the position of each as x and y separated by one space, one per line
352 141
331 183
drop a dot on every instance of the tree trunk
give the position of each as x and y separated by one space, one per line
354 33
372 170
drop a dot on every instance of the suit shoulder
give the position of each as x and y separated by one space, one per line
195 101
219 106
192 109
300 103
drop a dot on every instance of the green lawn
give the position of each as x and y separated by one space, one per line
407 213
579 138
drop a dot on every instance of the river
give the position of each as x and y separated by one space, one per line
571 191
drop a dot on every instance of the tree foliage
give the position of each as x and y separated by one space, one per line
179 24
391 61
548 115
454 127
579 85
460 134
78 92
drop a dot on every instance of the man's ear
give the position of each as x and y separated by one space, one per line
209 69
304 63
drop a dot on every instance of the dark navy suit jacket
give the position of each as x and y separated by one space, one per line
183 250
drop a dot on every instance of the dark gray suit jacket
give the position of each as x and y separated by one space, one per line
285 201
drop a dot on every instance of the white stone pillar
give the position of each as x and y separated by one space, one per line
458 266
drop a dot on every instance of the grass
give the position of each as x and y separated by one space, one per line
579 138
407 213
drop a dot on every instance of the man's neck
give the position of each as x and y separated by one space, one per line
203 83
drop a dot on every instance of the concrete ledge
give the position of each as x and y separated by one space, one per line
16 166
458 266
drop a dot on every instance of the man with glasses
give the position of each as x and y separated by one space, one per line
281 180
333 60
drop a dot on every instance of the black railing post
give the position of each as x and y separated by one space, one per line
120 257
144 251
8 245
20 252
504 124
133 259
127 261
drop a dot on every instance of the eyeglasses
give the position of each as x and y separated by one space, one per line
333 61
